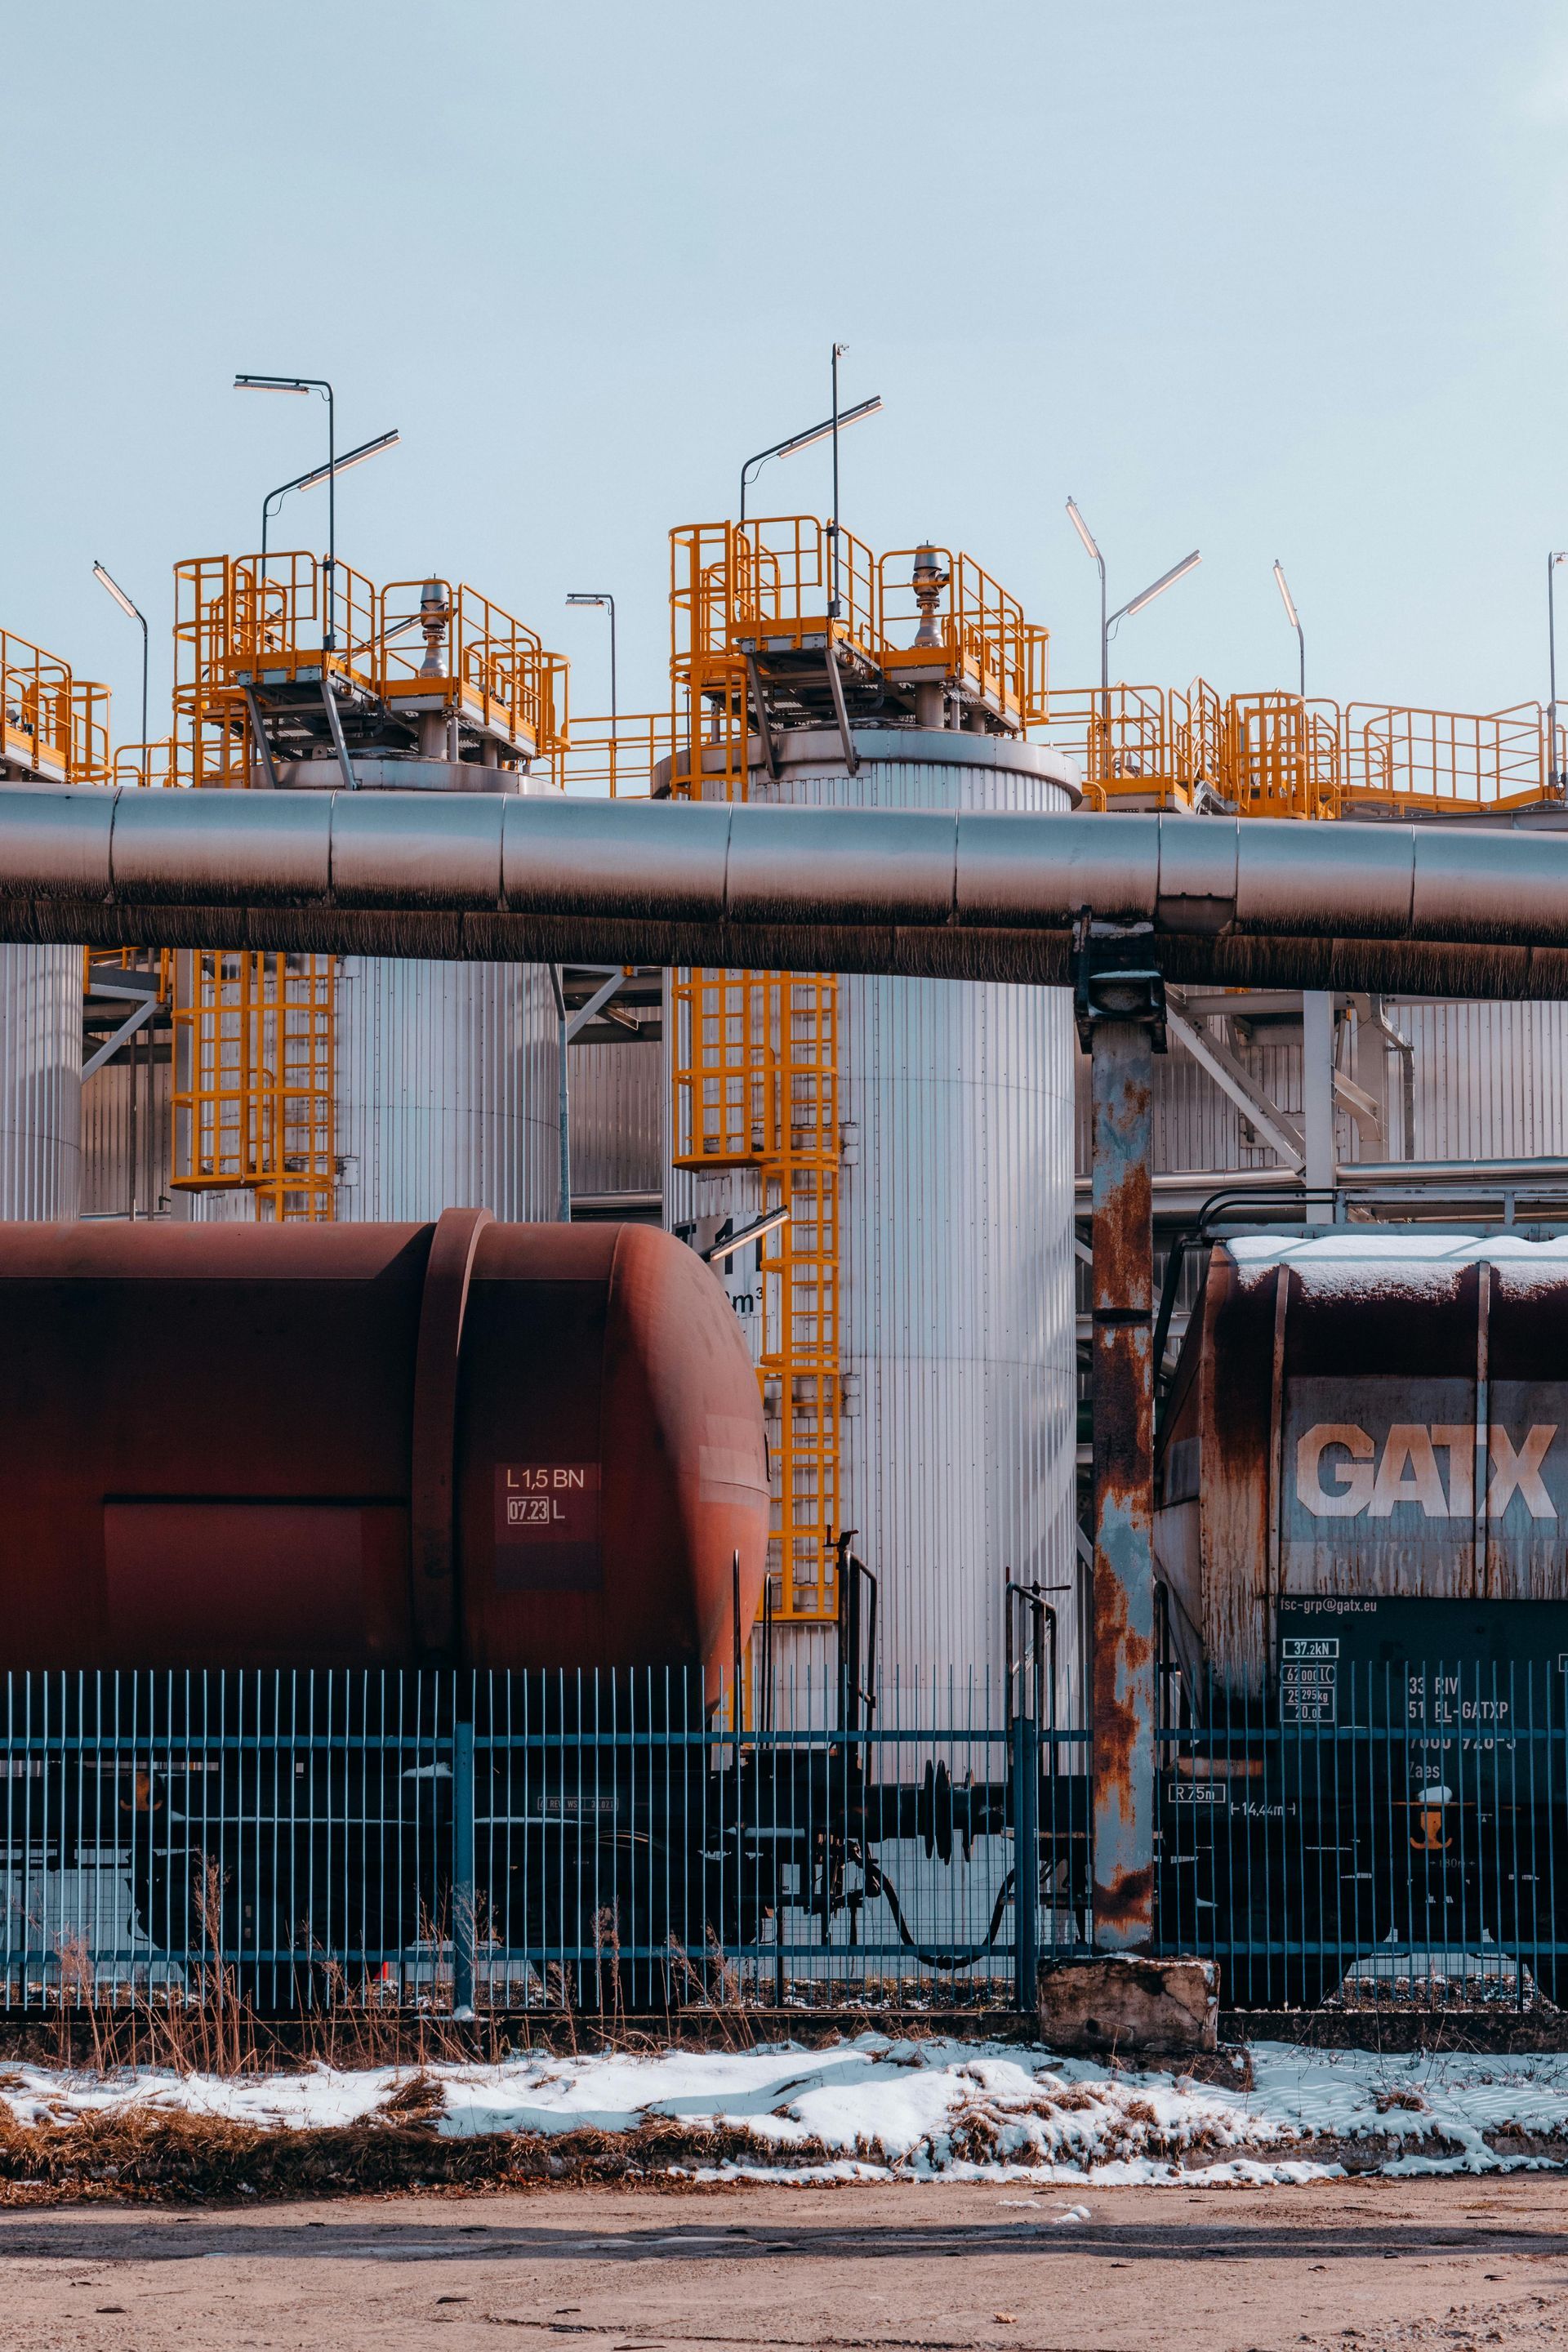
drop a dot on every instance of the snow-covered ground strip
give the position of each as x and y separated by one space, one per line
880 2108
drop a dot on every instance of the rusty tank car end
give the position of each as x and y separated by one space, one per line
466 1443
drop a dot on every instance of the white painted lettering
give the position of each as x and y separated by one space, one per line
1353 1490
1520 1473
1408 1473
1460 1437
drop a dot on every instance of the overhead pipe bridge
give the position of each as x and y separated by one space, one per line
1431 910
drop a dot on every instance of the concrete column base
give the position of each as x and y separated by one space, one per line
1104 2007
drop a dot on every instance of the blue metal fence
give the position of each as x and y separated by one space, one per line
527 1842
546 1843
1371 1834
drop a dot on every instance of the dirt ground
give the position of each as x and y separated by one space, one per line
1357 2267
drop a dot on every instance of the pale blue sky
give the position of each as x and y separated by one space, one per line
1273 279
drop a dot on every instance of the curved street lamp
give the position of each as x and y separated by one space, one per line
1294 618
804 441
1126 612
274 498
107 580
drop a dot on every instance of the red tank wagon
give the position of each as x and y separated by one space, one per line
469 1443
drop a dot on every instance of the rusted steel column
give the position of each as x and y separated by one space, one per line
1122 1050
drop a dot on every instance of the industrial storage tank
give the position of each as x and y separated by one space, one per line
954 1195
40 1081
54 731
447 1089
359 1087
1366 1446
506 1446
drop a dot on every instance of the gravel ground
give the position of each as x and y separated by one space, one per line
1355 2266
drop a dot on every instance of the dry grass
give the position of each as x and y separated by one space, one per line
144 2155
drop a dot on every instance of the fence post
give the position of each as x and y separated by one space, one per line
1027 1861
463 1869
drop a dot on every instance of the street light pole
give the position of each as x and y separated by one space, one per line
1125 613
274 498
1552 770
832 527
587 596
106 580
1294 618
306 384
1086 536
804 440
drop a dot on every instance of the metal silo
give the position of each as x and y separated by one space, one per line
54 729
360 1087
40 1081
955 1351
446 1089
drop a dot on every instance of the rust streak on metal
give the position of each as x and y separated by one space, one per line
1122 1370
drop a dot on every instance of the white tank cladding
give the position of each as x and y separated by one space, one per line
957 1346
40 1082
447 1089
618 1143
1490 1081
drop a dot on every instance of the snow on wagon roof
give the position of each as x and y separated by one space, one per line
1372 1263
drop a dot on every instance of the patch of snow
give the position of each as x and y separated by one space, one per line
884 2109
1370 1261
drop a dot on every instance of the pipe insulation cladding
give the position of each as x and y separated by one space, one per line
1439 909
464 1442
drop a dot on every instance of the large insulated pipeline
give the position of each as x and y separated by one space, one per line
1439 909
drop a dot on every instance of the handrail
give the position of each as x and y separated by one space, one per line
44 727
1271 753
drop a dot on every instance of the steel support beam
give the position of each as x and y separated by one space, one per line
1318 1087
120 1036
1232 1078
596 1003
1123 1393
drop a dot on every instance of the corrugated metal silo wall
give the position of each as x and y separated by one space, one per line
1491 1080
447 1090
40 1081
106 1141
956 1329
617 1117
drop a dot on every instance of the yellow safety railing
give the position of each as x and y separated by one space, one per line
103 963
241 622
165 765
1447 762
483 662
786 573
90 760
1280 756
52 725
279 614
616 761
1135 745
1273 754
